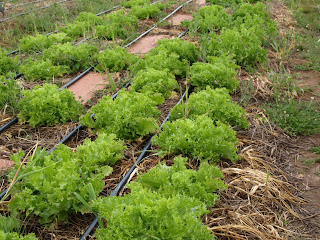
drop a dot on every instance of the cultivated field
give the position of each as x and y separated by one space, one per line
146 119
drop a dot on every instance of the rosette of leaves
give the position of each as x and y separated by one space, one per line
251 9
178 180
146 11
83 24
43 69
225 3
89 18
257 19
210 19
8 64
129 116
16 236
115 59
184 49
199 138
40 42
9 228
216 104
118 25
144 214
48 182
152 81
10 93
217 73
47 106
163 60
132 3
76 57
242 44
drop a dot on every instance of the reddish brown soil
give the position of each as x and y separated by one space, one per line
200 2
5 164
85 87
177 19
146 43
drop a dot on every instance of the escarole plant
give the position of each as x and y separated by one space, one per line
47 106
48 182
152 81
214 103
164 203
129 116
199 138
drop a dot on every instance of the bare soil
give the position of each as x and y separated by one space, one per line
84 89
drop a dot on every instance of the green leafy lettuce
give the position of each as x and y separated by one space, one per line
129 116
47 106
49 181
200 138
215 103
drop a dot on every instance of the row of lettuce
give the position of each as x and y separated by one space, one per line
56 55
167 201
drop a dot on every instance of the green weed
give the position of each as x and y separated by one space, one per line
284 85
309 163
307 14
296 118
316 149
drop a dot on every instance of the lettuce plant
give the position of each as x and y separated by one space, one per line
118 25
216 75
144 214
242 44
40 42
115 59
129 116
210 19
178 180
47 106
33 70
8 64
199 138
76 57
215 103
49 182
154 81
184 49
146 11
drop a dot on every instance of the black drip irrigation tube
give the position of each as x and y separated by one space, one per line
25 13
15 120
126 177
